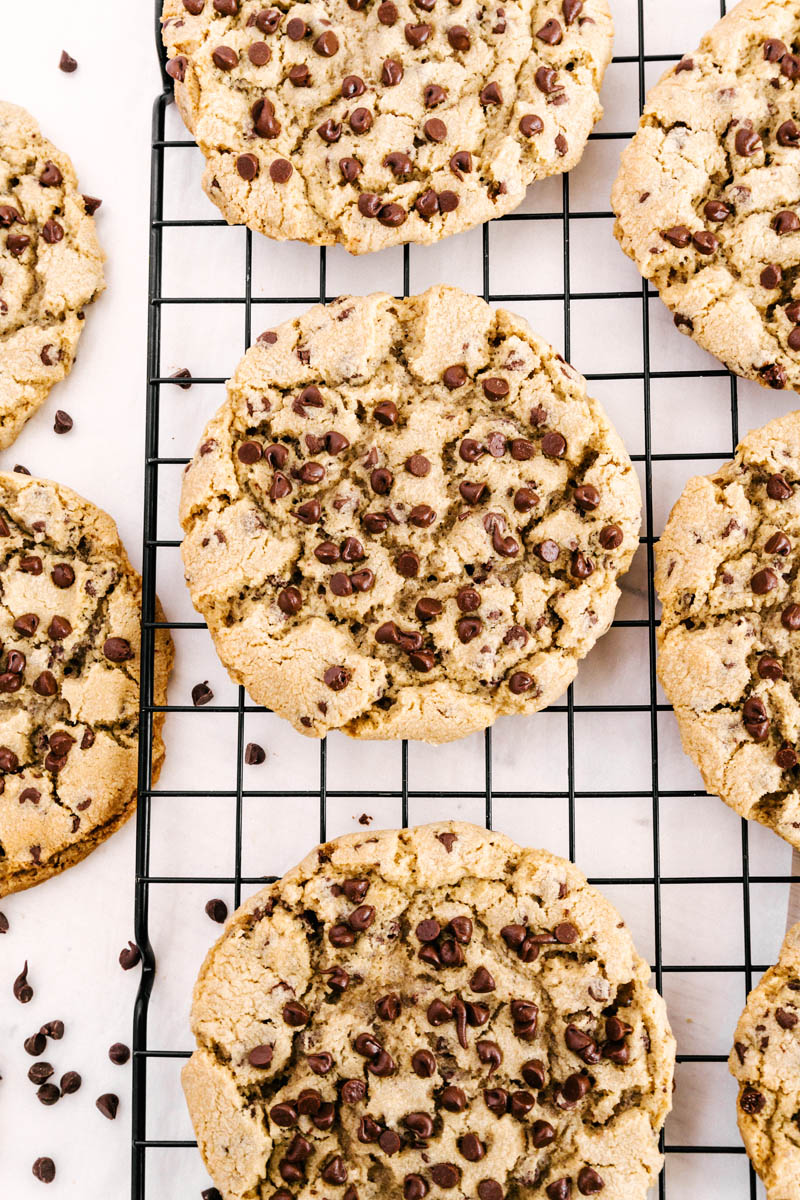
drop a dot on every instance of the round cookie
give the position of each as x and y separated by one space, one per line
51 267
765 1061
729 639
407 519
429 1011
69 680
708 194
371 123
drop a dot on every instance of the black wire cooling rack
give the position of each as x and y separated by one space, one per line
483 789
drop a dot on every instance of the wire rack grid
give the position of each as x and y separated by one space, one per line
672 896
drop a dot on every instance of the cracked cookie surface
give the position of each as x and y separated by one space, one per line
433 1010
765 1061
370 123
407 519
708 195
51 267
70 613
729 641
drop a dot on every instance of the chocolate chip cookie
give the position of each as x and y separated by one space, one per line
69 680
765 1061
407 519
383 121
51 267
432 1010
708 196
730 631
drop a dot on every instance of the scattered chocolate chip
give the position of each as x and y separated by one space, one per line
22 989
108 1105
44 1169
70 1083
35 1044
130 956
40 1072
217 910
67 63
48 1094
201 694
119 1053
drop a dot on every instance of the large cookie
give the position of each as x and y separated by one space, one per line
51 267
435 1011
372 123
407 519
730 631
708 196
69 680
765 1061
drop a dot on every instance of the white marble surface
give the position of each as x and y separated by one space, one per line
71 929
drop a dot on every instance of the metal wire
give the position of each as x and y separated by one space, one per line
484 788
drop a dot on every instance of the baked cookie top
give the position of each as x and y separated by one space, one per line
765 1061
371 123
407 518
69 680
432 1010
51 267
708 195
726 573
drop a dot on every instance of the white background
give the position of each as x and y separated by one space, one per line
71 929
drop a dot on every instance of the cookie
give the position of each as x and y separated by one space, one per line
433 1010
69 678
708 195
407 519
729 641
51 267
765 1061
372 123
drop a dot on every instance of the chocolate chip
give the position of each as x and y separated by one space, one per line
418 465
530 125
458 37
70 1083
225 58
67 63
254 754
417 35
468 628
611 537
407 564
716 211
566 933
290 601
217 910
445 1175
295 1013
435 129
414 1187
788 134
542 1134
31 565
453 1099
461 163
705 242
490 1189
554 445
201 694
763 582
747 142
118 650
472 493
387 13
769 667
391 73
44 1169
130 956
472 1147
299 75
40 1072
678 236
108 1105
490 1054
27 624
176 67
259 54
119 1054
389 1142
265 123
34 1045
559 1189
247 167
790 618
22 989
423 1063
48 1094
4 925
771 276
433 94
785 222
751 1101
551 33
327 44
581 567
260 1056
